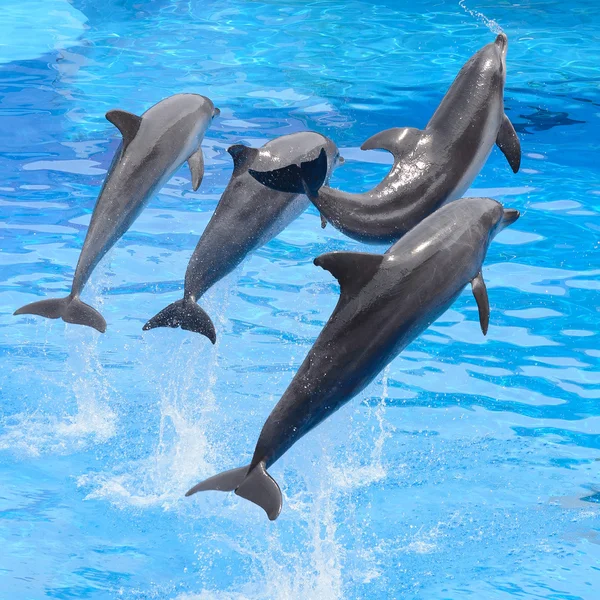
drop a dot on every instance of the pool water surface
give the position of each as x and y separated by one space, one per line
468 469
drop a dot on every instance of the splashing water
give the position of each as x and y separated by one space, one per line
351 474
320 511
492 25
206 595
183 448
310 568
93 421
186 450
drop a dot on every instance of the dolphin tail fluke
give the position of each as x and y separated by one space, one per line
227 481
306 178
255 485
69 309
187 315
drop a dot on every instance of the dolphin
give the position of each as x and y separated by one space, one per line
248 216
432 166
154 146
385 302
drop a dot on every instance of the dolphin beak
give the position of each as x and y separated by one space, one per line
502 43
508 218
341 160
216 112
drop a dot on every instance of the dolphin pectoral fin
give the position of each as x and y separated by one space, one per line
243 156
306 178
483 302
259 487
398 140
323 221
508 142
196 163
127 123
353 270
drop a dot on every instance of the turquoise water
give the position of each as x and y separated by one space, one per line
468 470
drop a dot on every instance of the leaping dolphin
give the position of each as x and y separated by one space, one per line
432 166
154 146
248 216
386 301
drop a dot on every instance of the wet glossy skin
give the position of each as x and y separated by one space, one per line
250 214
170 132
418 279
435 165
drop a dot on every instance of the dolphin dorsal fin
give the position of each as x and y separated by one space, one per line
243 156
398 140
353 270
127 123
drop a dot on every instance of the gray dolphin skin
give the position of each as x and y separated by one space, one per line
385 302
154 146
248 216
432 166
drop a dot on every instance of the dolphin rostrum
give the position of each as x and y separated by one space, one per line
385 302
154 146
432 166
248 216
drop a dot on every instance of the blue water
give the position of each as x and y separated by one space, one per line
469 469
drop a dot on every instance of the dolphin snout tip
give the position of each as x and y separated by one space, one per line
510 216
502 41
216 112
